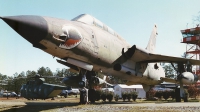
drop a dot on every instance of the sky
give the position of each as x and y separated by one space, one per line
131 19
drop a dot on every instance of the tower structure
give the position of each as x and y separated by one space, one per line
191 37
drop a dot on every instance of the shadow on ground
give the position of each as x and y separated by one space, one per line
62 106
49 106
37 106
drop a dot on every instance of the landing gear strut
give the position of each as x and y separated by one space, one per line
179 97
86 95
179 92
83 96
92 95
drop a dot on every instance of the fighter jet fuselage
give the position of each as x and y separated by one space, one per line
96 45
84 42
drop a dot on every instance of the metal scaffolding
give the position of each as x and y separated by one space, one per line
191 37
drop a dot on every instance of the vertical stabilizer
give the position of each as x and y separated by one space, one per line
152 41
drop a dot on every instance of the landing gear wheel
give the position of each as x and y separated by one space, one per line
83 96
92 95
177 95
186 98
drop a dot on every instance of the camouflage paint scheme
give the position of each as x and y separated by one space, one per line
35 90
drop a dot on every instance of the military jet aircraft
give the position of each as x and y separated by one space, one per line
87 45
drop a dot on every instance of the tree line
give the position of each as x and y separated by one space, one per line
14 83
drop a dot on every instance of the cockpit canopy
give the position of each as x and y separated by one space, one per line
87 19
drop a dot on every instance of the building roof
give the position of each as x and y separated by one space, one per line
131 86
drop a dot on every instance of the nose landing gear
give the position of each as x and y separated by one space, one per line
87 95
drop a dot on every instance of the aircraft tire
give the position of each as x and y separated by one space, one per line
83 97
186 98
92 95
177 95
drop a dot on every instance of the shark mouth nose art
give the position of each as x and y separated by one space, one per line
72 37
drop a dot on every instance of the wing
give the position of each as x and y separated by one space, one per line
163 58
142 55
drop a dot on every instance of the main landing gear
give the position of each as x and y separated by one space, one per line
179 91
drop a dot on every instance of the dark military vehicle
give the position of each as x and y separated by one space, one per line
37 89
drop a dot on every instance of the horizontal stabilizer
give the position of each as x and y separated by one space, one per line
163 58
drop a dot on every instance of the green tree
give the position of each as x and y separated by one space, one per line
15 74
30 73
64 73
3 77
19 81
169 71
14 84
42 71
49 74
59 73
22 74
196 19
115 80
3 81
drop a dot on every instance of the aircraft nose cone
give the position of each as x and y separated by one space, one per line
32 28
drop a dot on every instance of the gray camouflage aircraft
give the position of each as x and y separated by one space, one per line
87 45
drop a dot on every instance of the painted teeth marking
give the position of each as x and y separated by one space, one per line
65 46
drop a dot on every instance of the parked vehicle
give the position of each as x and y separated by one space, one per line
70 91
13 94
64 93
73 91
107 89
5 94
162 89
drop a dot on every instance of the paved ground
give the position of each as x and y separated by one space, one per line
183 104
71 104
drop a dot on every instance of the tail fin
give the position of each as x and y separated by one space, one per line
152 41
